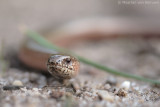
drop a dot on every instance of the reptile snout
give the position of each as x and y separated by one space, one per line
63 67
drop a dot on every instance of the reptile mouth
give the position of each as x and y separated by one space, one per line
60 71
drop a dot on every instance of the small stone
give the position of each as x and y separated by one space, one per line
17 83
56 94
122 93
105 95
112 89
24 89
76 86
125 85
11 87
117 98
107 86
78 93
99 86
35 89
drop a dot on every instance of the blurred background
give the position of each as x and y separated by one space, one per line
133 17
40 14
129 17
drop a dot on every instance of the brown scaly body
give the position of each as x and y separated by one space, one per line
36 56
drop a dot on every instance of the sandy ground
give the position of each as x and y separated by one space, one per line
91 88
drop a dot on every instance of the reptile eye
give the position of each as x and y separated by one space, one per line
68 60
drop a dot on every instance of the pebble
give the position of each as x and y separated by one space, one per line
24 89
122 93
112 89
17 83
11 87
107 86
105 95
56 94
35 89
125 85
78 93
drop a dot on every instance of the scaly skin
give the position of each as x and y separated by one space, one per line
63 66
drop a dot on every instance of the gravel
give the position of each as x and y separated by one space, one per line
91 87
